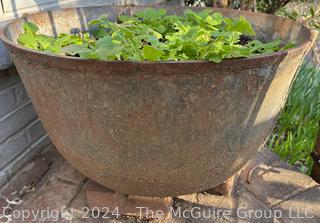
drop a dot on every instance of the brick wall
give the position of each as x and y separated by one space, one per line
21 133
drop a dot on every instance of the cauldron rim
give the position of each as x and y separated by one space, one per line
254 58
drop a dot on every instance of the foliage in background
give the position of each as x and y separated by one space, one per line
298 124
271 6
309 13
266 6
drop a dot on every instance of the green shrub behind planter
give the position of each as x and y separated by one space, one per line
298 124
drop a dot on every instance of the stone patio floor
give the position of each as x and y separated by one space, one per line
267 190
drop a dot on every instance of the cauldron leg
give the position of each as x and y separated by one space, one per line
100 198
226 188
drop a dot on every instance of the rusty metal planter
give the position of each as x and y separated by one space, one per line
157 128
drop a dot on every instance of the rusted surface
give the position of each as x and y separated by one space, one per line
157 129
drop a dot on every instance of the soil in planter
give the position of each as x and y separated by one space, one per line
153 35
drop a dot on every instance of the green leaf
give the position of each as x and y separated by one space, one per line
99 33
94 22
312 12
44 41
211 21
243 26
102 21
152 53
151 14
205 13
67 39
79 50
88 54
30 28
288 46
161 28
73 50
215 58
104 42
27 40
106 49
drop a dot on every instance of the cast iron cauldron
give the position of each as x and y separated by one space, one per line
157 128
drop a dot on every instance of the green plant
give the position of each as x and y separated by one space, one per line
299 122
266 6
271 6
310 17
151 35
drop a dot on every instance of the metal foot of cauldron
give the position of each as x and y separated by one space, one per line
226 188
112 203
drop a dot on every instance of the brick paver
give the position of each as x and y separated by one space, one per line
267 190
